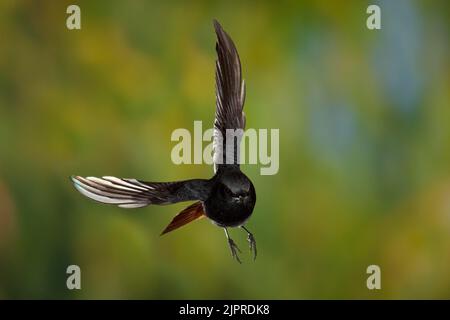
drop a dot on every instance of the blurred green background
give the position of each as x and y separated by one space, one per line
364 119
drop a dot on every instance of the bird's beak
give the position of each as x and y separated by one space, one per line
239 198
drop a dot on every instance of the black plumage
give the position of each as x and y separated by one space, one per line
229 197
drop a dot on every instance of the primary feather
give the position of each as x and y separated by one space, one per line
230 98
132 193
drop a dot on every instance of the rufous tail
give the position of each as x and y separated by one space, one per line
193 212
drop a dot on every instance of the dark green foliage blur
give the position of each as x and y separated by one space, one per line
364 119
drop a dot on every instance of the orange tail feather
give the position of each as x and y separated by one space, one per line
189 214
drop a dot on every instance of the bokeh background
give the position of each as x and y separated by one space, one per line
364 119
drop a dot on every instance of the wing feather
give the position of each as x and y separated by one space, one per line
230 98
132 193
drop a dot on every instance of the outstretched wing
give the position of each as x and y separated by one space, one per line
230 97
132 193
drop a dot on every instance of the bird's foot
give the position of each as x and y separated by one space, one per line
252 242
234 249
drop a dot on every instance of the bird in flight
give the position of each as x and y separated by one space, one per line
228 198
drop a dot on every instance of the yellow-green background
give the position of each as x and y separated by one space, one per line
364 121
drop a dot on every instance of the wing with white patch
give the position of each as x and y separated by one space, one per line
230 98
132 193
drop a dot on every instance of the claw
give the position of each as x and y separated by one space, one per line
234 248
252 242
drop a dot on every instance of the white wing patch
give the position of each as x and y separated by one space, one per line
125 193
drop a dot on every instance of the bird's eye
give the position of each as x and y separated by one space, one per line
225 191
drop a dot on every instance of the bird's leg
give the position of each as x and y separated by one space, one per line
233 246
252 242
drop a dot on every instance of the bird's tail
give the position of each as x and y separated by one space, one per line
193 212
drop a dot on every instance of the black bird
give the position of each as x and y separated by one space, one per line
228 198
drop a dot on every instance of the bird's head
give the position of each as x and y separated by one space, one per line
238 189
